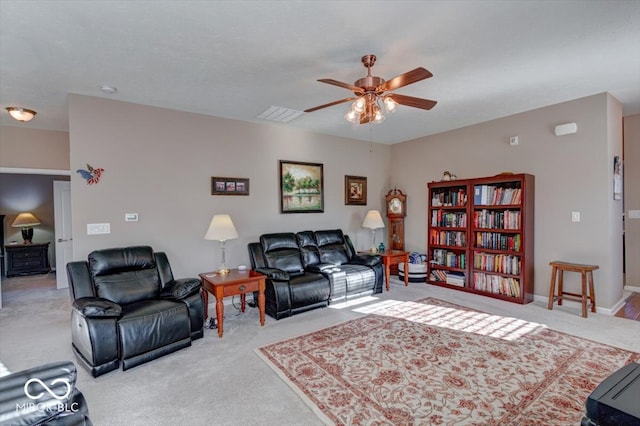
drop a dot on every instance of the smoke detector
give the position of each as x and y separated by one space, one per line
109 90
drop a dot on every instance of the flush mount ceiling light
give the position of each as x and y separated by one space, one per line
21 114
369 99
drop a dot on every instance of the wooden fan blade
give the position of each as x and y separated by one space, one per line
330 104
405 79
351 87
412 102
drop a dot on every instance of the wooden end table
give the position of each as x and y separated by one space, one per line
393 257
236 282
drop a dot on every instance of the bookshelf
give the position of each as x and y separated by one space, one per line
480 236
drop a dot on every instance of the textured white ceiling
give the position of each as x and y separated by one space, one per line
234 59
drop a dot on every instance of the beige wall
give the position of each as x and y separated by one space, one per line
573 173
171 156
22 147
158 163
632 198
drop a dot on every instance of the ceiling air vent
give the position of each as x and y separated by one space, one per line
283 115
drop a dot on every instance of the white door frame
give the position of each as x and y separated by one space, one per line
63 230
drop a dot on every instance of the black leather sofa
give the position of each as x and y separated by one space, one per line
24 400
308 270
128 308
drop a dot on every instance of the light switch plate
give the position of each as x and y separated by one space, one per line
98 228
634 214
575 216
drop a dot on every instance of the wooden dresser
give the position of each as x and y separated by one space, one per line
27 259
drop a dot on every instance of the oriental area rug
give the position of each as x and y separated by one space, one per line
431 362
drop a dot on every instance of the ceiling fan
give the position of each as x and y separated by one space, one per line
369 94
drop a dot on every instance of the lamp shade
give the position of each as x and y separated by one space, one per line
373 220
25 219
221 228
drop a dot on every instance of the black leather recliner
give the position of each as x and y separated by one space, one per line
128 308
24 400
310 269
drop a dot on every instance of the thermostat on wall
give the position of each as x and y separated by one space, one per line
131 217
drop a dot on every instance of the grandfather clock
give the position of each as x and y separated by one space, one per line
396 211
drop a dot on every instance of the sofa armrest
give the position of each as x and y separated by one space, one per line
274 274
366 259
97 307
320 267
180 288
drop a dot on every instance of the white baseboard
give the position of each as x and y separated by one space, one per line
573 304
633 288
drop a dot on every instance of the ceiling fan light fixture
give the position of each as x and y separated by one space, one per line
351 116
378 117
389 104
359 105
21 114
369 100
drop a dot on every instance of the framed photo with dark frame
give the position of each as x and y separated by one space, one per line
229 186
355 190
301 187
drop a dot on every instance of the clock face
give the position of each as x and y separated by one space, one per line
395 206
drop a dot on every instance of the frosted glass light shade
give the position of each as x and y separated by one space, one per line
21 114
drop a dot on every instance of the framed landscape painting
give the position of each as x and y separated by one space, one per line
301 187
355 190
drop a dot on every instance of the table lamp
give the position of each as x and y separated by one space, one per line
26 221
373 221
221 229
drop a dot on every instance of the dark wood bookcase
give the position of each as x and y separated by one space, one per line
480 236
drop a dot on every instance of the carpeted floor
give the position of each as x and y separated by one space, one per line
433 362
223 381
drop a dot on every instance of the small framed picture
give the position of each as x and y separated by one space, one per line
355 190
229 186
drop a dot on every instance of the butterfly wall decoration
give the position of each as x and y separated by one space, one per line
91 174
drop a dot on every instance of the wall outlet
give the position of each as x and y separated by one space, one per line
575 216
513 141
98 228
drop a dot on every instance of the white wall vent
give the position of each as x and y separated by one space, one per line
281 114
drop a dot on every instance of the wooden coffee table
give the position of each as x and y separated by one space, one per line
234 283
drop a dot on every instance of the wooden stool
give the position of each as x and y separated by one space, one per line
585 270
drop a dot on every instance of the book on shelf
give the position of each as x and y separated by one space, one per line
448 258
449 197
498 241
501 263
448 219
496 284
489 219
455 278
496 195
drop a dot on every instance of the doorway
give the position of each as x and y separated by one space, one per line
32 190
